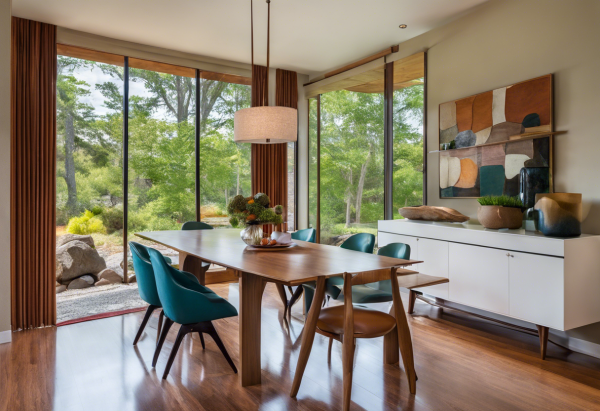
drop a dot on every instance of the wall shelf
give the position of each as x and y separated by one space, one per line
512 139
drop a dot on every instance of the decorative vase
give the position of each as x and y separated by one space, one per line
252 234
557 214
497 217
533 180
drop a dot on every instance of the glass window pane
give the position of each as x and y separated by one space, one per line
351 162
161 153
408 137
224 164
312 162
89 173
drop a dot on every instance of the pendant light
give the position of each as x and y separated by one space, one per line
266 124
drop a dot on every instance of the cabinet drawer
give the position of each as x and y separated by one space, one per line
479 277
434 254
537 289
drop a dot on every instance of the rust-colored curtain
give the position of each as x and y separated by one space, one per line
269 161
33 174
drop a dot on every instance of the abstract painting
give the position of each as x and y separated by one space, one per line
495 134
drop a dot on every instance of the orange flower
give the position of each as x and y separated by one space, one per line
251 202
251 217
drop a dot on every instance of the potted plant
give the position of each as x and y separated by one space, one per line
251 213
500 212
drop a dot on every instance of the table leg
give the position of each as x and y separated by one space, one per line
404 338
251 291
308 335
194 265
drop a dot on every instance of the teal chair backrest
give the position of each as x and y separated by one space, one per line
308 234
363 242
394 250
144 274
196 225
181 304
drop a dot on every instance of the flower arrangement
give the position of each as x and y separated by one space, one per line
247 211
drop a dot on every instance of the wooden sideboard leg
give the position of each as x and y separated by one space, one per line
543 333
412 298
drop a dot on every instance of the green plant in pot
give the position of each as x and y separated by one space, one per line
500 212
251 213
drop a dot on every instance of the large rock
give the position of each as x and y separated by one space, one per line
85 281
114 262
67 238
61 289
75 259
111 276
101 283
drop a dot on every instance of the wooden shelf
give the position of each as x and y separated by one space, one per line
512 139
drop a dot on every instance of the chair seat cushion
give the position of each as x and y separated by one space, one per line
367 323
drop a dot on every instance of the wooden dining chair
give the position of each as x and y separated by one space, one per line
346 323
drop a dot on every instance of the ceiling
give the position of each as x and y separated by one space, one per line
309 36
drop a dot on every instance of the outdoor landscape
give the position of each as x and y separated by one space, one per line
162 117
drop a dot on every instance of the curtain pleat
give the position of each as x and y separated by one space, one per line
269 161
33 174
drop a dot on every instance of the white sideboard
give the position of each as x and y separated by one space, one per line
551 282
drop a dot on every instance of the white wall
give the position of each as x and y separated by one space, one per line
5 16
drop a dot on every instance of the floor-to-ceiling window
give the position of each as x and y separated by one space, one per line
224 164
176 148
351 163
347 140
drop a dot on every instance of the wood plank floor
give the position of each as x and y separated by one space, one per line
462 364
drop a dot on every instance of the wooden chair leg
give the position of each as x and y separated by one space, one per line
147 316
308 335
348 343
543 334
215 336
160 322
283 297
182 332
330 347
201 339
295 296
161 341
412 298
391 348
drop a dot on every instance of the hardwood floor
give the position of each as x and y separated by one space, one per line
462 363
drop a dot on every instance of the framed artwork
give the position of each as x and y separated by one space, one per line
486 139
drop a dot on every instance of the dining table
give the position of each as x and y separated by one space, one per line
304 262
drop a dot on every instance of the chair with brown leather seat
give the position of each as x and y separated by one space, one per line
340 322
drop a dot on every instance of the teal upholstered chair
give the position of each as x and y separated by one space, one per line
147 285
308 234
196 225
193 306
363 242
379 292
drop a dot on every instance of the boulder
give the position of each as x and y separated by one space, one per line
114 262
75 259
61 289
132 279
111 276
84 281
67 238
102 282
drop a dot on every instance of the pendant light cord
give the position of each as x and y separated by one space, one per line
268 45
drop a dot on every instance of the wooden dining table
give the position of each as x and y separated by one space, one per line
288 267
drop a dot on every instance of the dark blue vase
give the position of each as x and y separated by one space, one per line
532 181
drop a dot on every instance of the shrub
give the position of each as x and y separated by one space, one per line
87 223
504 201
112 217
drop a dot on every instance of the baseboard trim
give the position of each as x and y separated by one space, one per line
5 336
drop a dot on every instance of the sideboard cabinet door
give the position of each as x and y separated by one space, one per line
434 254
479 277
537 289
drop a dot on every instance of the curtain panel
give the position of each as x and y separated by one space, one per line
33 174
269 161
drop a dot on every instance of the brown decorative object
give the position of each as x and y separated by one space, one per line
430 213
498 217
558 214
33 174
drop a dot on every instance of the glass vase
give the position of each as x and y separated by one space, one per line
252 234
